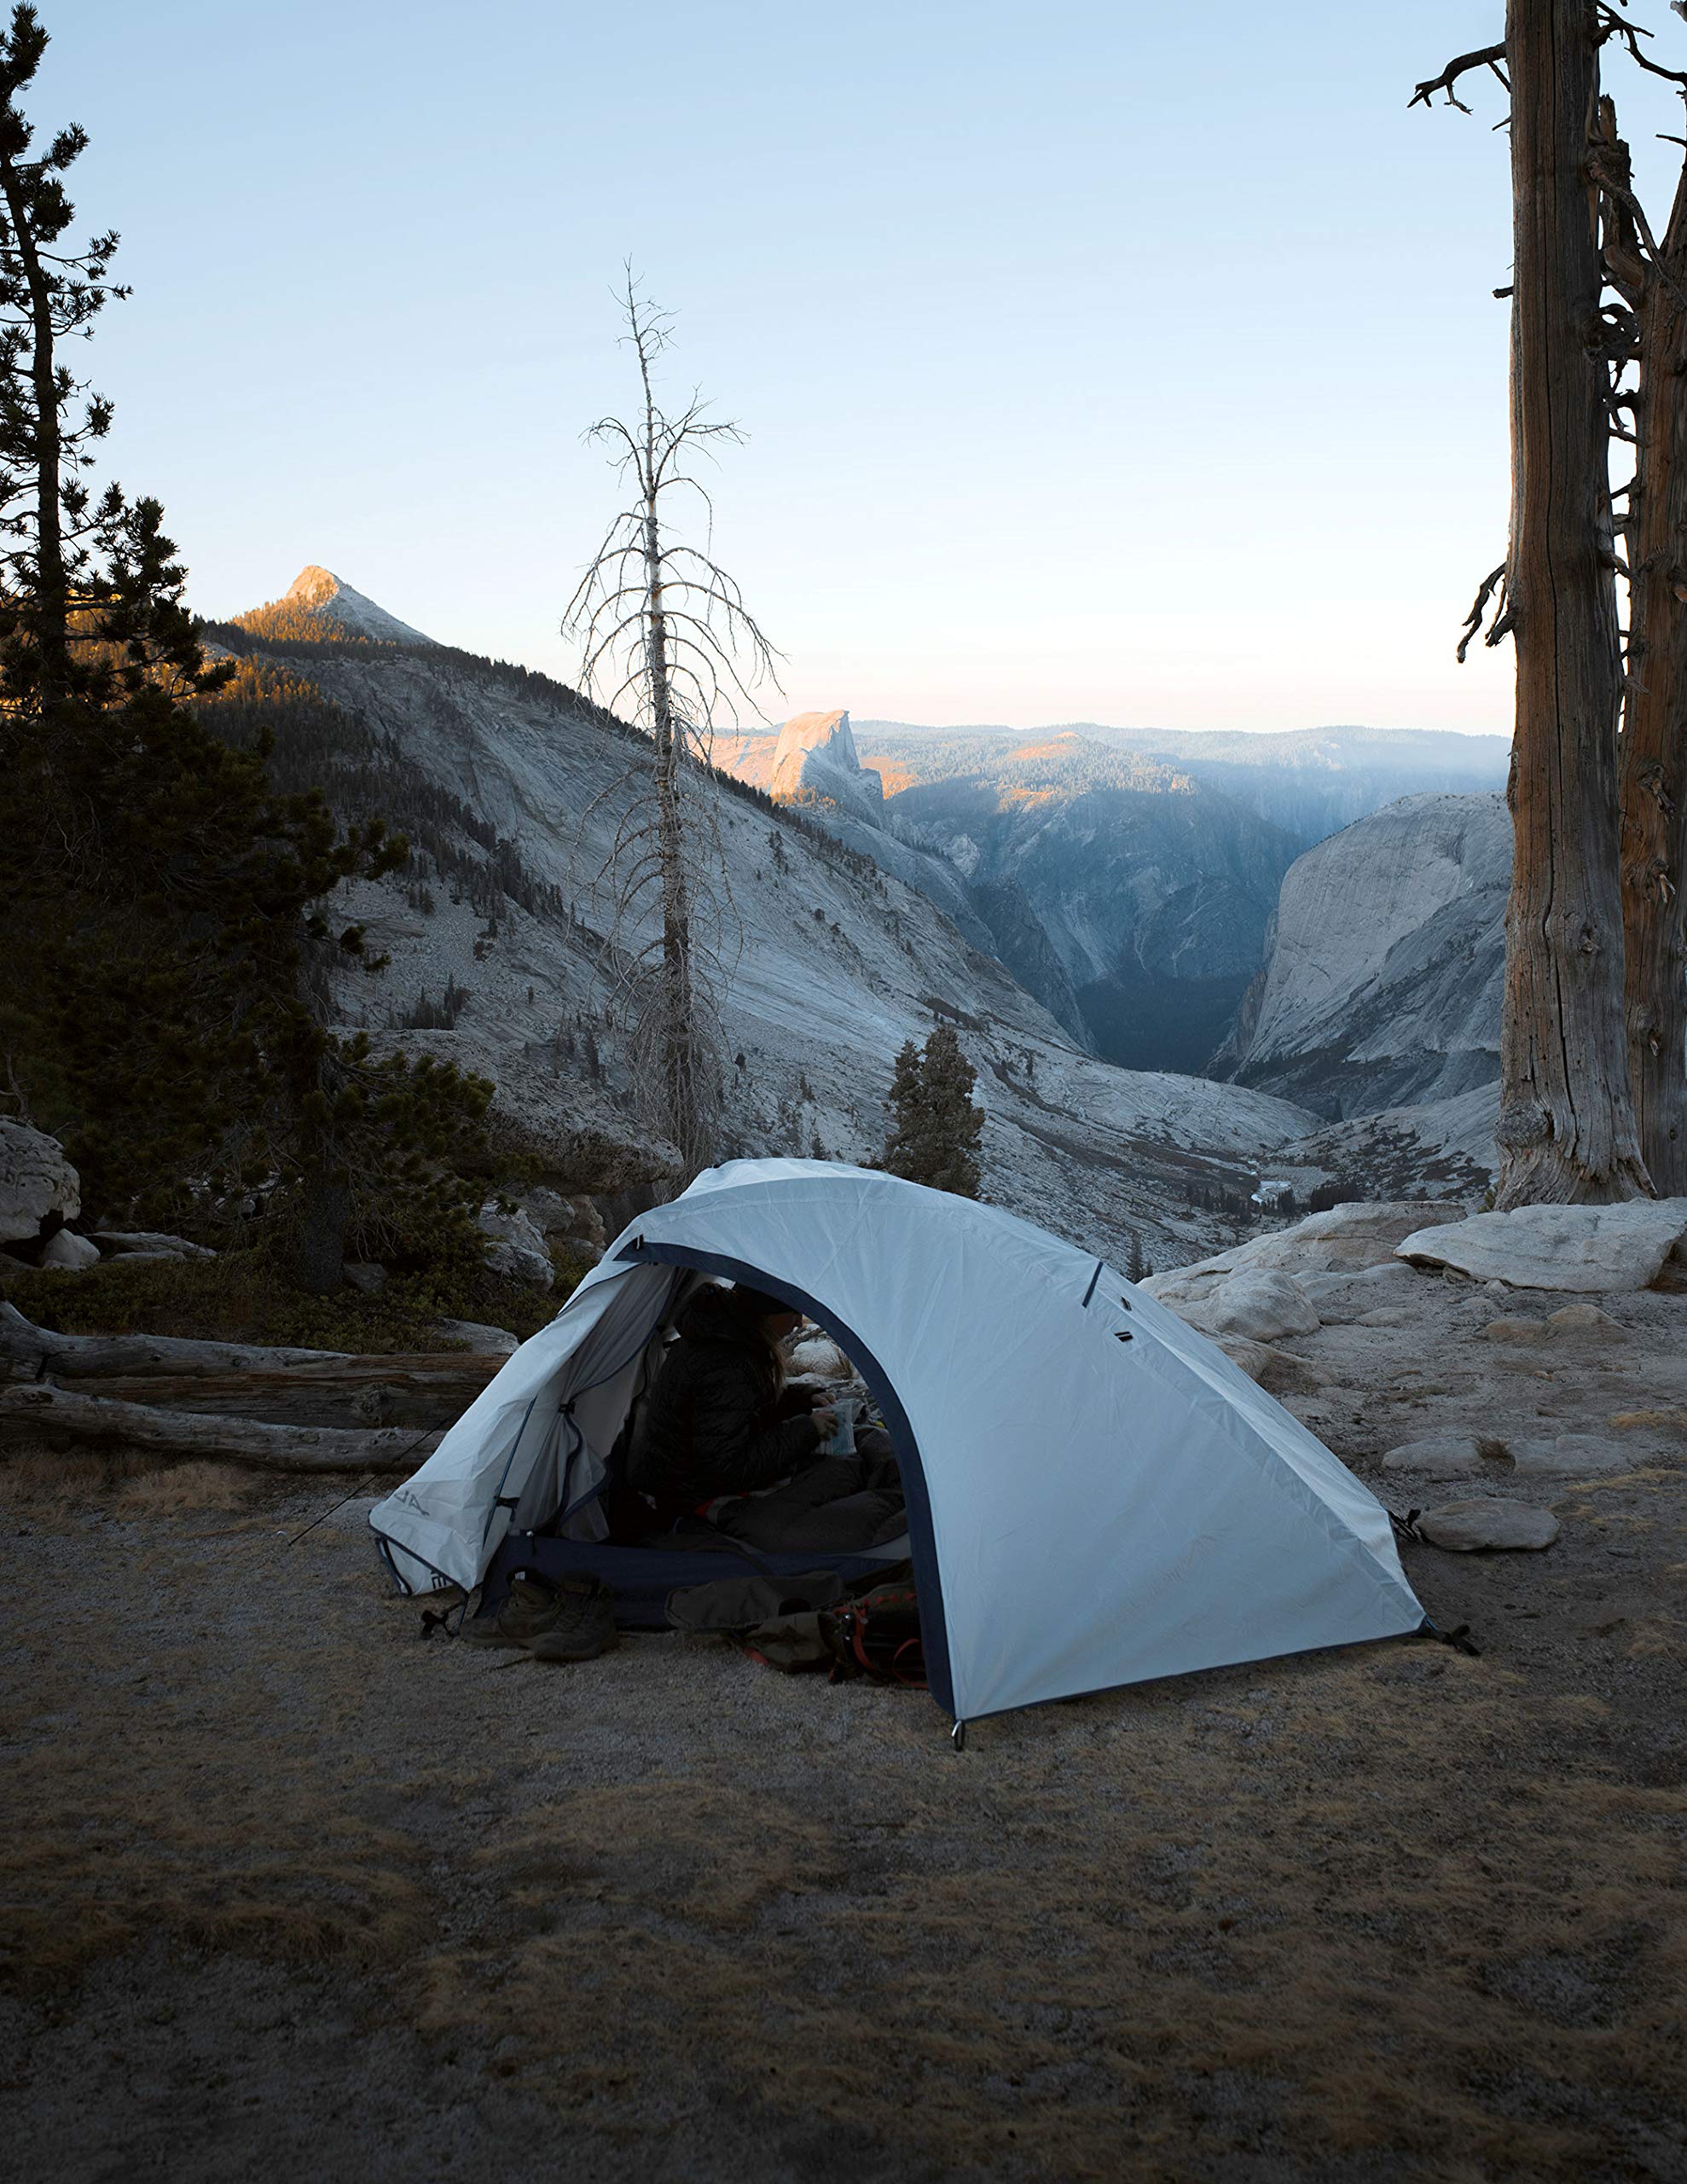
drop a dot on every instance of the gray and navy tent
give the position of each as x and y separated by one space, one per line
1097 1494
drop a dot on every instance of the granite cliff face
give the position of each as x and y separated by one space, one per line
1382 980
1153 897
1132 901
815 757
1128 878
858 926
813 763
495 948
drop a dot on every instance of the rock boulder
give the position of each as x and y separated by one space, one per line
38 1185
1278 1371
483 1341
1440 1456
1467 1527
1570 1455
129 1243
69 1252
1346 1240
1589 1248
575 1221
1260 1307
1585 1323
516 1247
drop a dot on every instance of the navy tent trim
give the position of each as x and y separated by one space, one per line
928 1580
643 1578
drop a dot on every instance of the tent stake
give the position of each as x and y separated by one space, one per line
957 1736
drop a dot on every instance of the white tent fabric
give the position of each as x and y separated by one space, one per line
1085 1509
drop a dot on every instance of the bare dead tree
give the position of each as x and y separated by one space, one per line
1487 56
1566 1129
665 638
1650 333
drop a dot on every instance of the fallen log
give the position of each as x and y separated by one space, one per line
37 1411
427 1389
73 1355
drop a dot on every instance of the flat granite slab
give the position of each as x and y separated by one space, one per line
1589 1248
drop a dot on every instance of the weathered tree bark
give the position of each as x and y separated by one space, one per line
680 1034
1653 767
412 1391
36 1412
281 1387
1566 1130
40 1348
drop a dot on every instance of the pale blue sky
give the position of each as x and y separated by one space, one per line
1111 362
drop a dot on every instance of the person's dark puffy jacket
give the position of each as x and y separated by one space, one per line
712 1423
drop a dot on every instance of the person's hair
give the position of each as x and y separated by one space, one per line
755 1307
757 1304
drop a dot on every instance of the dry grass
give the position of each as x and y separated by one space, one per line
113 1851
1383 1914
1111 1973
181 1489
48 1486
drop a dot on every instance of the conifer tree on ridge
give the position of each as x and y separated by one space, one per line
935 1130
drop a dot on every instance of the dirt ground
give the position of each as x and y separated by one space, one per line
287 1890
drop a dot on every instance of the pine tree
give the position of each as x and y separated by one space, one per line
934 1129
47 422
163 899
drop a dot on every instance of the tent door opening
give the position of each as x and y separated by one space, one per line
928 1583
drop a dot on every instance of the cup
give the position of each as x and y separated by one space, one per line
848 1409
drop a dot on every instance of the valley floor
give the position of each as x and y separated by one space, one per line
291 1892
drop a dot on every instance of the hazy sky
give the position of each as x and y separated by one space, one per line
1110 362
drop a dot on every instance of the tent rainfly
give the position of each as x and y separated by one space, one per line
1097 1494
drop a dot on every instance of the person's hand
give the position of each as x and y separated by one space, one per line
826 1419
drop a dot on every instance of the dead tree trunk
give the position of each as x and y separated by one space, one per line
25 1348
39 1413
664 628
1653 767
1566 1130
679 1032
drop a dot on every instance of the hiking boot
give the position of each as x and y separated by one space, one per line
584 1624
530 1607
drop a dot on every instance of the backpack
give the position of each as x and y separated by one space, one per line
874 1635
877 1634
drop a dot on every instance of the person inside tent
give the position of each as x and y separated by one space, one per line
722 1437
